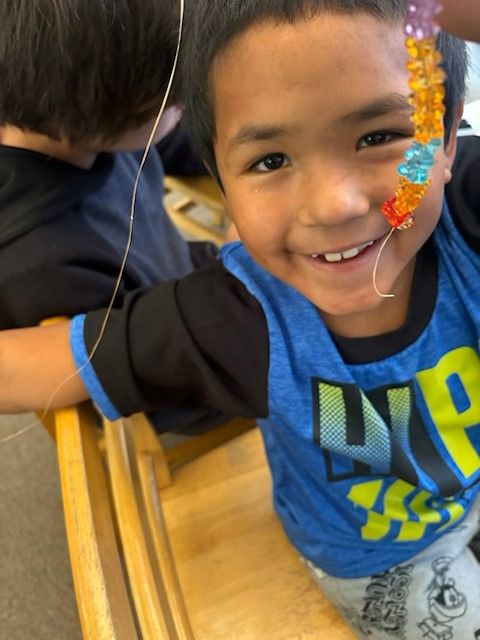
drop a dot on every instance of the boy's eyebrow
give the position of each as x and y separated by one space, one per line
257 133
378 107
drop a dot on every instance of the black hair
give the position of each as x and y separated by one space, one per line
84 71
213 24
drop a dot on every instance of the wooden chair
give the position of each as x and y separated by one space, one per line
123 570
190 193
196 552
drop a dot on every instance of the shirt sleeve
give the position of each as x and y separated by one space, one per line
86 370
33 293
202 337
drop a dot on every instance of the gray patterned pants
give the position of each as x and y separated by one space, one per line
435 595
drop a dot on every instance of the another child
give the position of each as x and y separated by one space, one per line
369 405
81 87
80 80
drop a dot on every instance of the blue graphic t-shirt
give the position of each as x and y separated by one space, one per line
372 462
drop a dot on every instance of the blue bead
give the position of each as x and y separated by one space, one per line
421 177
419 160
435 143
404 170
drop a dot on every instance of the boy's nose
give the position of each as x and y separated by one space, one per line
332 198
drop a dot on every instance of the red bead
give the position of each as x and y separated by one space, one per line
394 218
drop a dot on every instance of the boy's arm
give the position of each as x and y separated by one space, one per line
203 339
33 365
461 18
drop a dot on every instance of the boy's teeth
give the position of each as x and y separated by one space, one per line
351 253
346 255
333 257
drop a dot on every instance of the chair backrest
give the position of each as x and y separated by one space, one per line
100 586
123 569
124 576
136 466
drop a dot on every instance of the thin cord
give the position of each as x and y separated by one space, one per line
375 268
18 433
129 239
135 187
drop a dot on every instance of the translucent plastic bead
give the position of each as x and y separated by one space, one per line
399 209
390 212
397 220
420 15
420 158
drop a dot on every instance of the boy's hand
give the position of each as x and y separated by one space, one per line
461 18
33 365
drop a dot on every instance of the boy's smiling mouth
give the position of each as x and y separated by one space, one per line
339 256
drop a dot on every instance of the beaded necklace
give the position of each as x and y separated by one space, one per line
427 84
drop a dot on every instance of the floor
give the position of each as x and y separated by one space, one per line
37 601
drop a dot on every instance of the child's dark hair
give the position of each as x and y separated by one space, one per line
85 71
213 24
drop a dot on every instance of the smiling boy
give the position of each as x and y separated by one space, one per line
368 404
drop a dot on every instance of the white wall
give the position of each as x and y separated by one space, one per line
474 83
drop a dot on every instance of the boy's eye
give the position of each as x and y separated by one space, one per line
378 138
271 162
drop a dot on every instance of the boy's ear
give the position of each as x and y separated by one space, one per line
451 147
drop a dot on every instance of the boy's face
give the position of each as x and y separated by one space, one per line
311 123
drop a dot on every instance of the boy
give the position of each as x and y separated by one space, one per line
368 404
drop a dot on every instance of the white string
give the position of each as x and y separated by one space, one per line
18 433
137 181
129 239
375 268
